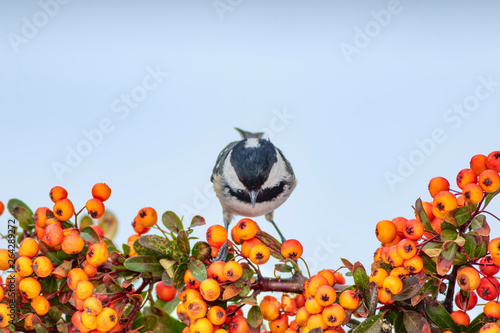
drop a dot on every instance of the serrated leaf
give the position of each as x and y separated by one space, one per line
414 322
198 269
411 286
370 325
183 241
419 209
462 215
254 317
88 234
438 314
144 264
171 221
109 224
197 221
232 290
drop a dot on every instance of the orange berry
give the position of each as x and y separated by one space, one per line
315 282
444 202
42 266
472 193
92 305
392 284
414 229
95 208
399 222
188 294
101 191
2 208
466 176
234 235
460 318
72 244
28 247
478 163
489 180
42 214
259 254
328 275
58 193
333 315
288 304
339 278
238 324
24 266
414 264
201 325
248 244
84 289
493 161
384 296
468 279
400 272
246 229
312 305
210 290
393 258
217 315
190 280
493 247
302 316
53 234
349 299
97 254
147 217
492 309
75 275
78 302
270 308
378 276
488 288
89 269
63 209
30 288
106 319
407 248
291 249
196 308
89 321
133 238
487 266
325 295
438 184
279 325
427 206
76 320
385 231
139 228
490 328
233 270
216 271
216 235
165 292
41 305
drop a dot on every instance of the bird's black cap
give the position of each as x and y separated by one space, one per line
253 163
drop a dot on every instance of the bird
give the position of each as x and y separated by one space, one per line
251 178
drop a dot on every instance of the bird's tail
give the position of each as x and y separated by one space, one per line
248 135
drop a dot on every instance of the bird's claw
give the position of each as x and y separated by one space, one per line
222 255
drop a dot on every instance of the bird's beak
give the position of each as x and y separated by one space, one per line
253 197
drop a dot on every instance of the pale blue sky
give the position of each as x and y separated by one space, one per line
347 90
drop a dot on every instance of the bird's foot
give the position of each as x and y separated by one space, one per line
222 255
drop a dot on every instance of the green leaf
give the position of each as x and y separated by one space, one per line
148 321
445 259
422 215
480 226
171 221
254 317
399 327
201 251
88 234
144 264
169 324
411 286
448 235
460 259
109 224
429 263
169 266
179 276
160 245
22 213
462 215
470 245
183 241
476 324
197 221
166 279
144 251
414 322
53 257
55 313
283 268
481 249
372 324
438 314
49 285
111 246
167 307
198 269
371 298
490 196
85 221
361 279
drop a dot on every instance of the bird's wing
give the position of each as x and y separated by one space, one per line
248 135
220 160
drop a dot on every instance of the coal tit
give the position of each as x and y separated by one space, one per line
252 178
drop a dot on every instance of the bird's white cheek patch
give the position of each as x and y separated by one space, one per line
252 143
